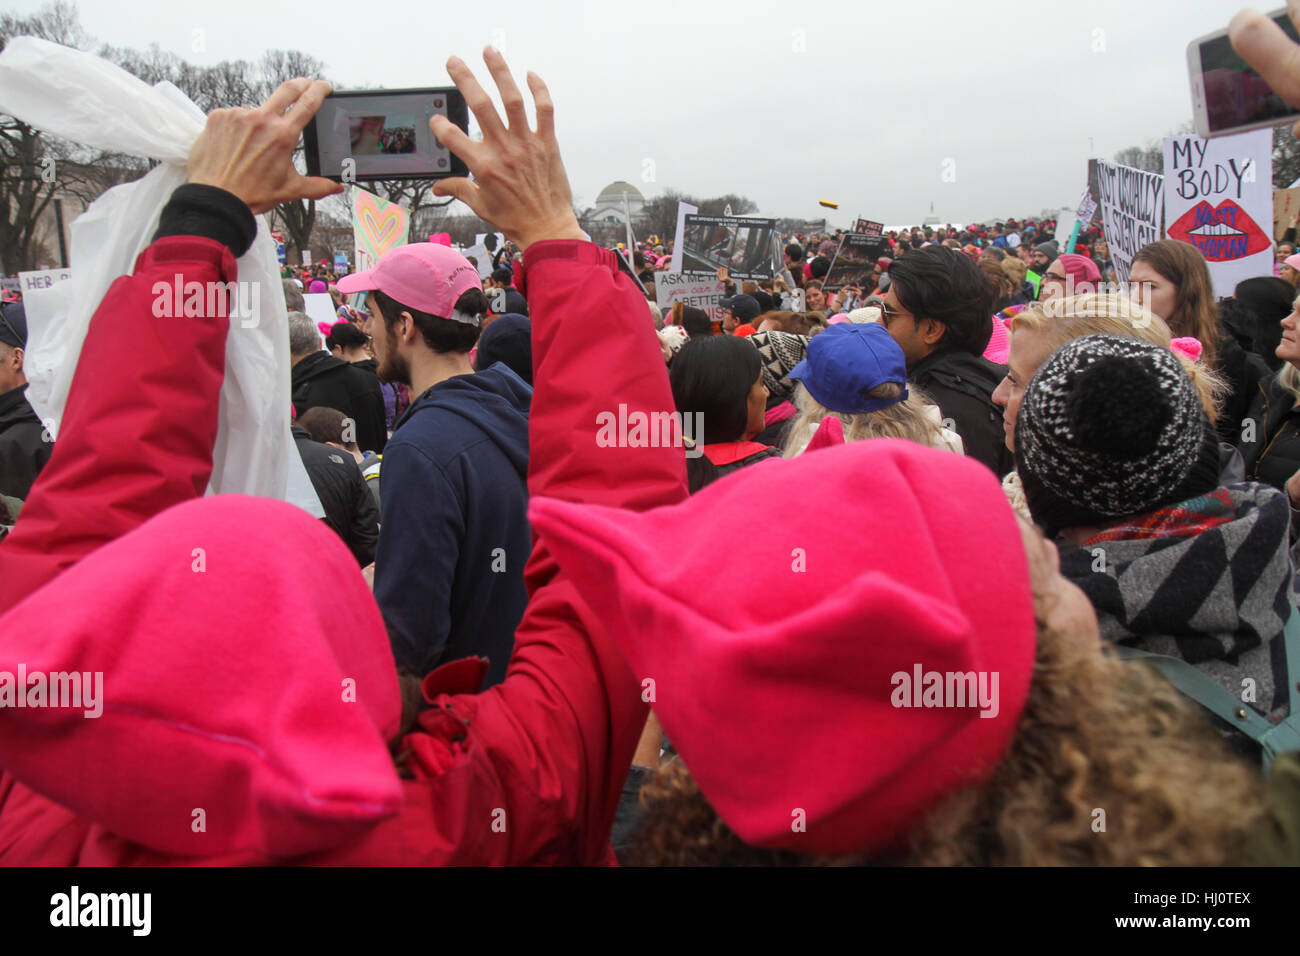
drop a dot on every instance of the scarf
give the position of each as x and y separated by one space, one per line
1206 580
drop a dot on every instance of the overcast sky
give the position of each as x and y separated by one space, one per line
866 105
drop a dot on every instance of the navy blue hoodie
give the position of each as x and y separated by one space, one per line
454 536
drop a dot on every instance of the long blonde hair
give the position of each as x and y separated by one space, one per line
906 419
1062 320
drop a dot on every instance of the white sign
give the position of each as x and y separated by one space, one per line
1132 206
306 257
1218 192
684 209
701 292
42 279
319 307
1065 220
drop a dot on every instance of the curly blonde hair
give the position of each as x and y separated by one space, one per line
1096 734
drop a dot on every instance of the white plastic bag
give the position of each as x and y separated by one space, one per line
91 102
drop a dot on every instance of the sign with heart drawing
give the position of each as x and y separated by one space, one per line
378 226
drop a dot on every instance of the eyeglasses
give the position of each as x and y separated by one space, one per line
887 314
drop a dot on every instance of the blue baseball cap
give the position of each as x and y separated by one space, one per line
847 361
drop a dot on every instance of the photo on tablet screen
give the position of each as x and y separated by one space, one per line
385 134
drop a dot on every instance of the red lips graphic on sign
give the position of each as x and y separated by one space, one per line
1223 232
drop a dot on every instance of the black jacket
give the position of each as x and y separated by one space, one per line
23 450
962 385
1243 371
1270 435
349 507
323 380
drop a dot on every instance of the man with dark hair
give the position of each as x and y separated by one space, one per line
794 262
350 508
25 445
737 310
504 298
329 426
319 378
449 571
939 309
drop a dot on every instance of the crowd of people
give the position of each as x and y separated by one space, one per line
978 561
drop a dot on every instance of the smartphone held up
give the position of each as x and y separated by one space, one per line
364 135
1228 95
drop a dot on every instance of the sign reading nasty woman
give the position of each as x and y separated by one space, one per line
1217 193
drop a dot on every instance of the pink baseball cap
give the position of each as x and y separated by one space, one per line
425 276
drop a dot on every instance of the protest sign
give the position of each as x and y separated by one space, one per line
865 227
340 263
854 261
306 257
1087 209
698 291
1065 221
1217 192
278 238
480 258
1286 206
319 307
684 209
741 244
1132 210
42 279
377 227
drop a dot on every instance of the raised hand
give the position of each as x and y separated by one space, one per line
1271 52
519 184
249 152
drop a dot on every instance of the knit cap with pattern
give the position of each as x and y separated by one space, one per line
1109 427
779 353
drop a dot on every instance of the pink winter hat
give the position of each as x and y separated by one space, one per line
999 347
422 275
800 715
1083 269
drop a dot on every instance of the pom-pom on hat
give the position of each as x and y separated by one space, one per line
1110 427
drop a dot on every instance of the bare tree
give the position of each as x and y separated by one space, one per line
36 168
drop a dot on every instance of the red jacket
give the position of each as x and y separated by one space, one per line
550 746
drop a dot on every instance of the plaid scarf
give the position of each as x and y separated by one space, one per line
1207 580
1186 519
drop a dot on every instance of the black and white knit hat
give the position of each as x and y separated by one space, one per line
779 352
1110 427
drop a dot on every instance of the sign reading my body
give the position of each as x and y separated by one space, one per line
1195 179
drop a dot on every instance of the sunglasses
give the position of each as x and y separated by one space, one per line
887 314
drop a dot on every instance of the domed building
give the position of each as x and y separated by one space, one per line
609 204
